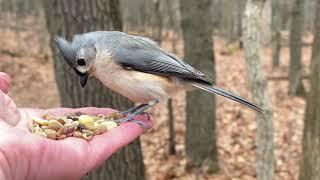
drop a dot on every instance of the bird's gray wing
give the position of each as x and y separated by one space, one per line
156 61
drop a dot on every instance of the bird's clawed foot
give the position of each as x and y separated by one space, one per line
135 111
131 119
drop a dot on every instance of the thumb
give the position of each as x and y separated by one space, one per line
4 82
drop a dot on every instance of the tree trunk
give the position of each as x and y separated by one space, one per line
67 18
172 143
200 137
310 163
241 4
157 22
286 7
229 18
276 32
173 26
252 46
217 13
296 30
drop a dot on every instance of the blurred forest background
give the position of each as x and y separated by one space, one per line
265 50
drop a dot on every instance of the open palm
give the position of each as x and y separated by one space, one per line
27 156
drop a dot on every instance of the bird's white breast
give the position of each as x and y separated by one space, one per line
137 86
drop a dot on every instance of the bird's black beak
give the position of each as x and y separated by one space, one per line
83 77
83 80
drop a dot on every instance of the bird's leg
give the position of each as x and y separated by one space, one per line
133 109
137 112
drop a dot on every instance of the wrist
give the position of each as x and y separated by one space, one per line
5 170
13 165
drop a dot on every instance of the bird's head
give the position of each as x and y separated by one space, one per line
79 55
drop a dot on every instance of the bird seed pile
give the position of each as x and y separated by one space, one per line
77 125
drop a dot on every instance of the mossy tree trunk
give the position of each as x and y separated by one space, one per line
67 18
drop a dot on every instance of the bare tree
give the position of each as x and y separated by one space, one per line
230 20
310 163
133 15
296 31
172 7
157 22
276 32
200 132
172 144
310 9
286 7
241 5
217 12
252 45
67 18
153 18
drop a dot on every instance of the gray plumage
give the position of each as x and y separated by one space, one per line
139 54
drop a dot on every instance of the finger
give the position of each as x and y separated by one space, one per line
4 82
8 110
9 114
103 146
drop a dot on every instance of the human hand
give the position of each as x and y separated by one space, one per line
27 156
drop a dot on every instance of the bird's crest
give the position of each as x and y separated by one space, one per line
66 50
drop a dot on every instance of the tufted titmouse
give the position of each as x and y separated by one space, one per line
136 67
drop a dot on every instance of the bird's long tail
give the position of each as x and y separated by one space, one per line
217 90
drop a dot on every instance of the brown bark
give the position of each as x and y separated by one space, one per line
67 18
200 136
296 31
252 46
310 163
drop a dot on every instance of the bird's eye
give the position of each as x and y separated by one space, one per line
81 62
